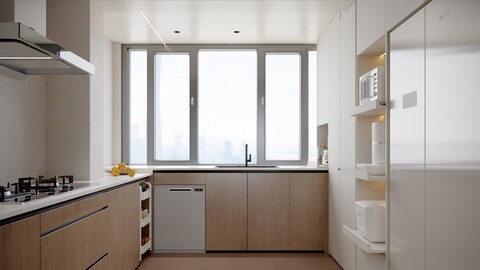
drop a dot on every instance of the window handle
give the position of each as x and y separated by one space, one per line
192 101
263 101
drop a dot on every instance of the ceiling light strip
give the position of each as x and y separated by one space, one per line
153 28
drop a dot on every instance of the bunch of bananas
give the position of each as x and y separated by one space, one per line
122 169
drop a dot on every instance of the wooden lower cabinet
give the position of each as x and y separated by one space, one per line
268 211
131 226
103 264
76 246
226 211
308 211
124 218
20 244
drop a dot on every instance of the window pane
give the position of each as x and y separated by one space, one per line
282 107
227 106
172 107
138 107
312 105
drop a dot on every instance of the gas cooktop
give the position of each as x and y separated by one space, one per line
31 188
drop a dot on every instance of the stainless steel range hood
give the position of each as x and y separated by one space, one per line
27 52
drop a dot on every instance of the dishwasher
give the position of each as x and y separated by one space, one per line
179 219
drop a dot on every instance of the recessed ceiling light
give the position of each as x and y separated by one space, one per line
176 32
236 32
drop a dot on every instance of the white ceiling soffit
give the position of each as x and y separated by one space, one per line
214 21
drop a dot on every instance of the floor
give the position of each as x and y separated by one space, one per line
240 261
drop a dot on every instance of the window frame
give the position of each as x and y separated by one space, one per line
192 50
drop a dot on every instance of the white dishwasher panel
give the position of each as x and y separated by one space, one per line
179 219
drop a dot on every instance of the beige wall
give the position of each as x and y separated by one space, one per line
64 124
22 127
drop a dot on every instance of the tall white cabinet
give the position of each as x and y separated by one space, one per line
435 138
336 52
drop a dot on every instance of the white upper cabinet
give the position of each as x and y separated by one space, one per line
370 26
328 59
397 10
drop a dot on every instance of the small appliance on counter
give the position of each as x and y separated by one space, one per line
371 220
372 86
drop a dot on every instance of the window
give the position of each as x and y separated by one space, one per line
138 110
172 107
282 106
227 106
200 104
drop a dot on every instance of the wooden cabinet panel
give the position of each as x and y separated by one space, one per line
76 246
179 179
60 216
226 211
268 211
20 244
308 211
65 248
115 229
96 236
103 264
131 226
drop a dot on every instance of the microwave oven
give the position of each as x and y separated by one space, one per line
372 86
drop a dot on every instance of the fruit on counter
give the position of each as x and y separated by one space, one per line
121 168
115 171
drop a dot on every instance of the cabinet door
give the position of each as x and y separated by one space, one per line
398 10
346 255
20 244
76 246
308 211
226 211
179 178
115 233
131 226
407 144
268 211
370 24
452 134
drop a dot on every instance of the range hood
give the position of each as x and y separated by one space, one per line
24 51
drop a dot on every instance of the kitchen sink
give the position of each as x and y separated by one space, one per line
243 166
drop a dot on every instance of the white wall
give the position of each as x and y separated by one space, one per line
107 103
22 128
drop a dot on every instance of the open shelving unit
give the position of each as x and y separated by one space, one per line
367 186
145 219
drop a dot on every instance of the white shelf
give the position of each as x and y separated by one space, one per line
145 247
145 221
363 243
146 194
371 108
363 174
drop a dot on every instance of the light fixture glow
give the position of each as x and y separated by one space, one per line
153 28
384 54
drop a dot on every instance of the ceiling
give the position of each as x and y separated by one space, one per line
214 21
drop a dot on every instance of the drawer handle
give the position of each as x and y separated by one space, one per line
180 189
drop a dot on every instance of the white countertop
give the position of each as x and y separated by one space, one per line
151 169
8 210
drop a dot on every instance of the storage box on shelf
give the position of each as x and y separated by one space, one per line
145 218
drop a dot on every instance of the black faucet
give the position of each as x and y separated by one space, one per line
248 158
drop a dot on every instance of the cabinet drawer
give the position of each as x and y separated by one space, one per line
58 217
76 246
101 265
179 179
